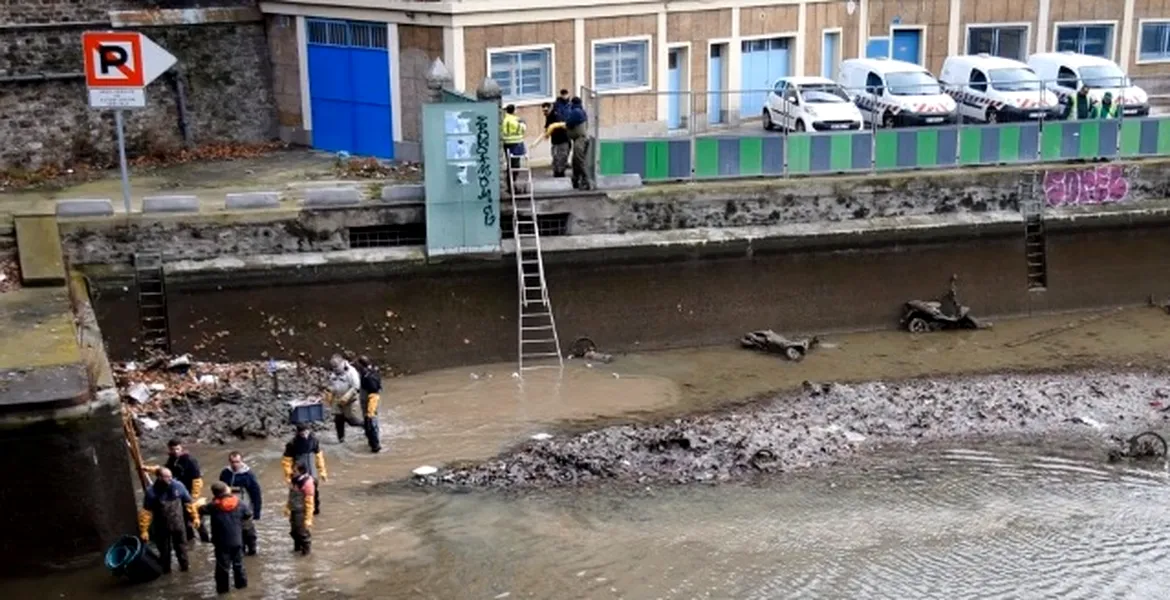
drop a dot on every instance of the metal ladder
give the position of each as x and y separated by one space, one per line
1035 240
154 326
538 340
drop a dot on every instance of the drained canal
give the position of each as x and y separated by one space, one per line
1019 518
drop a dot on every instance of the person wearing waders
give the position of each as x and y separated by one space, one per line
242 482
300 508
343 395
304 449
185 470
371 383
227 515
164 516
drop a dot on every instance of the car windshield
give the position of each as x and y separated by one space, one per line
823 93
1104 76
912 83
1014 79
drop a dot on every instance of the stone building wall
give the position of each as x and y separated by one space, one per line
224 68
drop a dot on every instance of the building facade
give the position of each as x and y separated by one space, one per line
349 72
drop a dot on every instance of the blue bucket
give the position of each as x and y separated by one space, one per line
129 557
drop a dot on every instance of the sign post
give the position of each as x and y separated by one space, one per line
118 67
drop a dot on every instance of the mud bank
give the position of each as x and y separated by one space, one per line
826 424
216 403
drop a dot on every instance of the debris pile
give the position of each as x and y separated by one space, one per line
372 168
214 402
824 424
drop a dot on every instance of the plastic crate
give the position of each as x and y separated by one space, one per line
307 412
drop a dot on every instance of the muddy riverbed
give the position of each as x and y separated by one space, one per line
1024 517
827 423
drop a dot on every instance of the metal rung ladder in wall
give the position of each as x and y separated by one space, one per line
539 345
154 326
1035 240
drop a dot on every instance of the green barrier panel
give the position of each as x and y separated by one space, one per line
1145 137
810 153
916 148
653 159
611 160
1080 140
999 144
739 156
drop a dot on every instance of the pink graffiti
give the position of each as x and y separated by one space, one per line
1096 185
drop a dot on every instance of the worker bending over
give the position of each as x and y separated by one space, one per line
163 519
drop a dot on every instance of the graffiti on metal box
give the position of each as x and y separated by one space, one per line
484 164
1105 184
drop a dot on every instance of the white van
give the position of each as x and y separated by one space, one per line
991 89
895 93
1065 73
810 104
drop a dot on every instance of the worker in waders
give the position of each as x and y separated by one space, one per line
227 515
304 449
242 482
300 508
343 394
371 394
164 516
186 471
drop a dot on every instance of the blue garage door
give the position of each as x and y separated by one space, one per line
763 62
349 87
906 45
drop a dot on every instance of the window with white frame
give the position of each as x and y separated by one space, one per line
522 74
1006 41
1093 39
1155 41
621 65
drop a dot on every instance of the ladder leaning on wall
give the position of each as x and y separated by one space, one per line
538 342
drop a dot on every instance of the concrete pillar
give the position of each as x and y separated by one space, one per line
68 491
438 79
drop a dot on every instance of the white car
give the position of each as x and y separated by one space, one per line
991 89
810 104
1065 73
895 93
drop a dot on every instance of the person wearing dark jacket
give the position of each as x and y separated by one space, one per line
371 384
185 470
577 125
164 516
304 449
1079 106
558 136
227 515
242 482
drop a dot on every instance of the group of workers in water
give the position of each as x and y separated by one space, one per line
174 513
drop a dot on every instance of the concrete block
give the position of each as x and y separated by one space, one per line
627 181
328 197
404 192
555 185
245 200
170 204
87 207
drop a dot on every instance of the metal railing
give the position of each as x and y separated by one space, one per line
1011 112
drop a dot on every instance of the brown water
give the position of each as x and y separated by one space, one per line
1000 522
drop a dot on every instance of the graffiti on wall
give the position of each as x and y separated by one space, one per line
1103 184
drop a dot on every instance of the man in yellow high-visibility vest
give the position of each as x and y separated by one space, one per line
512 131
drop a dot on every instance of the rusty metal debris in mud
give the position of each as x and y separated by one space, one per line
922 316
584 347
1147 445
769 341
